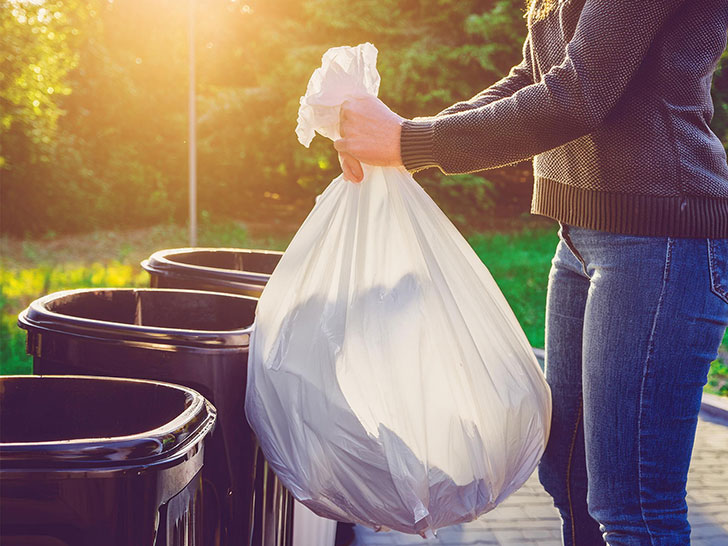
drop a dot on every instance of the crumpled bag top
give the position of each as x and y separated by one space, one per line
345 73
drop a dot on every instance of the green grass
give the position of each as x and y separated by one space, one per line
718 377
31 269
21 286
519 262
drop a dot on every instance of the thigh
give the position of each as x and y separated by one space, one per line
652 325
566 299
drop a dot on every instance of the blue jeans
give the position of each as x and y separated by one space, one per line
632 324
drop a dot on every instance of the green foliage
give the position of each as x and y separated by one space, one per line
432 54
36 55
13 359
719 123
115 147
717 378
520 264
466 196
108 146
38 50
18 287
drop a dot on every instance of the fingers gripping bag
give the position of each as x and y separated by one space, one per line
390 384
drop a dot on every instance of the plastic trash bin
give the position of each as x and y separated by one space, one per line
197 339
231 270
86 461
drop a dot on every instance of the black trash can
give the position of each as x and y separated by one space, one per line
194 338
231 270
86 461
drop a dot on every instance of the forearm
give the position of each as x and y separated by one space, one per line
506 131
570 100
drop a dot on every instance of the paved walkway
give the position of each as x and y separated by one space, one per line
528 517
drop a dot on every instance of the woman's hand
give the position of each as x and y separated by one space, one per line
352 169
370 134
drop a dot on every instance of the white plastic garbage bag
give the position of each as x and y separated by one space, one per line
390 384
310 529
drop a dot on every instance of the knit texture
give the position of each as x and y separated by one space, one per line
612 102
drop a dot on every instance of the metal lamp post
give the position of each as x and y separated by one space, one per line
192 136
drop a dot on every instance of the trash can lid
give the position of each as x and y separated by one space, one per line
162 316
223 264
77 421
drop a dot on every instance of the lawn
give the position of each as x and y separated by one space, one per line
518 260
31 269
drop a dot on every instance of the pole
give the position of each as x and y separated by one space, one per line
192 136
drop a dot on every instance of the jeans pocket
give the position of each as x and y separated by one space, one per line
718 263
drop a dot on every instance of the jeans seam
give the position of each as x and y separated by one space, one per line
648 358
570 244
568 471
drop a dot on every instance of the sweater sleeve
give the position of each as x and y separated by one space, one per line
520 76
572 99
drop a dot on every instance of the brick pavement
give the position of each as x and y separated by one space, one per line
527 517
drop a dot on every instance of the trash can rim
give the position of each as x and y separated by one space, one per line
152 444
159 261
37 315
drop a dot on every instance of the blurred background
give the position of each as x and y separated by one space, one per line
93 133
94 103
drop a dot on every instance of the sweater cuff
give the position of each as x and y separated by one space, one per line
416 144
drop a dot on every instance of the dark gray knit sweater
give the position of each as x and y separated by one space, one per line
612 101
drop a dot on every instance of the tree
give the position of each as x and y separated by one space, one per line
110 138
36 55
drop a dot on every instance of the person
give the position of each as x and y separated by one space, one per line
612 101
